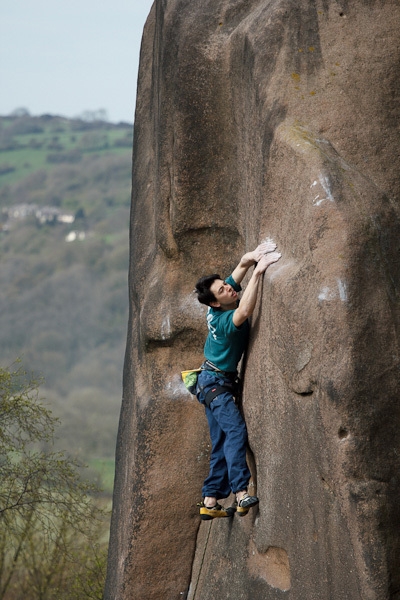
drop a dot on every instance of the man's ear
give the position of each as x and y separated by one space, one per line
215 304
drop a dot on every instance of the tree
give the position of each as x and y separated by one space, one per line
91 116
20 112
49 523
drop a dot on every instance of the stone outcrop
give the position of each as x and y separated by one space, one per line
264 118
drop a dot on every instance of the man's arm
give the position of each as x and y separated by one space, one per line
249 298
250 258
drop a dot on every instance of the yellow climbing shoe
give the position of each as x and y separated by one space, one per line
216 512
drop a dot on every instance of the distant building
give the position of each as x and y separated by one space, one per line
73 236
44 214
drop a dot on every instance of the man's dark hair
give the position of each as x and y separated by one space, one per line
204 295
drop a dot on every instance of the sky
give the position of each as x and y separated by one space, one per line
65 57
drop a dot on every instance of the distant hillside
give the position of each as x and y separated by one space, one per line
64 221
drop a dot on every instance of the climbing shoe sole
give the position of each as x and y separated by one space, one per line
216 512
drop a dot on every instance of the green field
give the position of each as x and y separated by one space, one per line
29 144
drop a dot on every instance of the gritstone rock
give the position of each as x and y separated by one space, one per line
266 118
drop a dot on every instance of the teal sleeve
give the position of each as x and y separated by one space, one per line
227 325
236 286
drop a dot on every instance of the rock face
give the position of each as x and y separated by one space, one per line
260 118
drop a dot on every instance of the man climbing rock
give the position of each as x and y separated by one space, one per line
228 332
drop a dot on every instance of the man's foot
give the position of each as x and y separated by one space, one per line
215 512
245 503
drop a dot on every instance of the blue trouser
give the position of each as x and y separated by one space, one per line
228 467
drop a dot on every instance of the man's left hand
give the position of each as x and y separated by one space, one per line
254 256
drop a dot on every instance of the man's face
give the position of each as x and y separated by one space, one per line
224 293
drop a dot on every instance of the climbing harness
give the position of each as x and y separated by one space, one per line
230 385
216 391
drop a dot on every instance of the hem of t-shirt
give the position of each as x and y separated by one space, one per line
221 370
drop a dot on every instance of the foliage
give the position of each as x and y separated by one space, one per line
64 304
50 526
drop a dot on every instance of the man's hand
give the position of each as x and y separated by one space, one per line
266 260
250 258
266 246
249 298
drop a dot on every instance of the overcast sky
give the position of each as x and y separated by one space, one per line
68 56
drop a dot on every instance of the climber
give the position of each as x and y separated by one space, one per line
228 331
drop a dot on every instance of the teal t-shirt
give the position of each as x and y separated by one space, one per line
225 342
